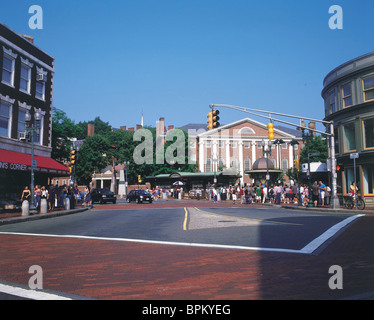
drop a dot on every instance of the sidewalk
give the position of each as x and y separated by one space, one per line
16 217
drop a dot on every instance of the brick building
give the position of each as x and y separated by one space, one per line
26 87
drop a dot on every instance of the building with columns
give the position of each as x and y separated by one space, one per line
238 145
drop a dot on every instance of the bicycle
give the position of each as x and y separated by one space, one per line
350 203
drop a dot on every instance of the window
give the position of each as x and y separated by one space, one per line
40 90
220 144
332 103
234 163
284 145
247 164
349 177
25 78
349 137
221 163
234 144
247 144
5 112
368 179
368 89
368 133
347 96
208 167
8 70
38 138
208 144
336 135
284 164
21 121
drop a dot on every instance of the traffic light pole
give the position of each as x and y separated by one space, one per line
334 199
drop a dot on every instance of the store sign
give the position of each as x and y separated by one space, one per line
13 166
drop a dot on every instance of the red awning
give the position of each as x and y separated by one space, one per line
10 160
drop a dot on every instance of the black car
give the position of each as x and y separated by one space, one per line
103 196
139 196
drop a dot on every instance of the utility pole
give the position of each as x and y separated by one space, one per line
335 200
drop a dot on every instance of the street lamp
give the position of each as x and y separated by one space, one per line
294 143
214 162
278 142
32 129
307 137
266 150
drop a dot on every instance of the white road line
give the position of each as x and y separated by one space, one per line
30 294
308 249
316 243
168 243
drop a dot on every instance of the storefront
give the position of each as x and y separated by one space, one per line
15 172
191 181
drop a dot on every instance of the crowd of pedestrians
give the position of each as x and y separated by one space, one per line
55 195
277 194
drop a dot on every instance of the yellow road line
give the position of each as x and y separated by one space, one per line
185 219
269 221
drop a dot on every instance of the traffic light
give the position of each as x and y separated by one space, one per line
296 164
270 127
339 168
216 118
139 178
72 160
210 120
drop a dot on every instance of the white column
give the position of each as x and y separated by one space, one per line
215 155
227 154
290 155
201 156
254 146
241 161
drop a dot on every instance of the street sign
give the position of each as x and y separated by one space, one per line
314 154
354 155
34 164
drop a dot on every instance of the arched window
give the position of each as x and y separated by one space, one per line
246 130
284 164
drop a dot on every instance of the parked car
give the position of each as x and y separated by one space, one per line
139 196
103 196
10 205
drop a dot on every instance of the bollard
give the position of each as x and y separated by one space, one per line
67 203
43 206
25 208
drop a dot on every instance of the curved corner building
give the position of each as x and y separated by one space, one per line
349 101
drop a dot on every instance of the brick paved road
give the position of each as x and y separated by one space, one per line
118 270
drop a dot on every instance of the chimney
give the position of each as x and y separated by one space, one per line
138 126
131 129
90 130
160 127
123 128
170 128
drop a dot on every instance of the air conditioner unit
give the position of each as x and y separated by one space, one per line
22 135
41 76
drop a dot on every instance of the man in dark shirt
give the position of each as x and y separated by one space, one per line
315 193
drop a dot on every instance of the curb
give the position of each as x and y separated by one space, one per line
41 216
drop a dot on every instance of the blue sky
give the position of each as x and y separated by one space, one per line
172 58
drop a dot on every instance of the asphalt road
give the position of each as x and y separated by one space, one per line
253 228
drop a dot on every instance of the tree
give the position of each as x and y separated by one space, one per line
63 129
316 145
91 158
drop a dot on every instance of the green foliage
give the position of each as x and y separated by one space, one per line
315 145
106 146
